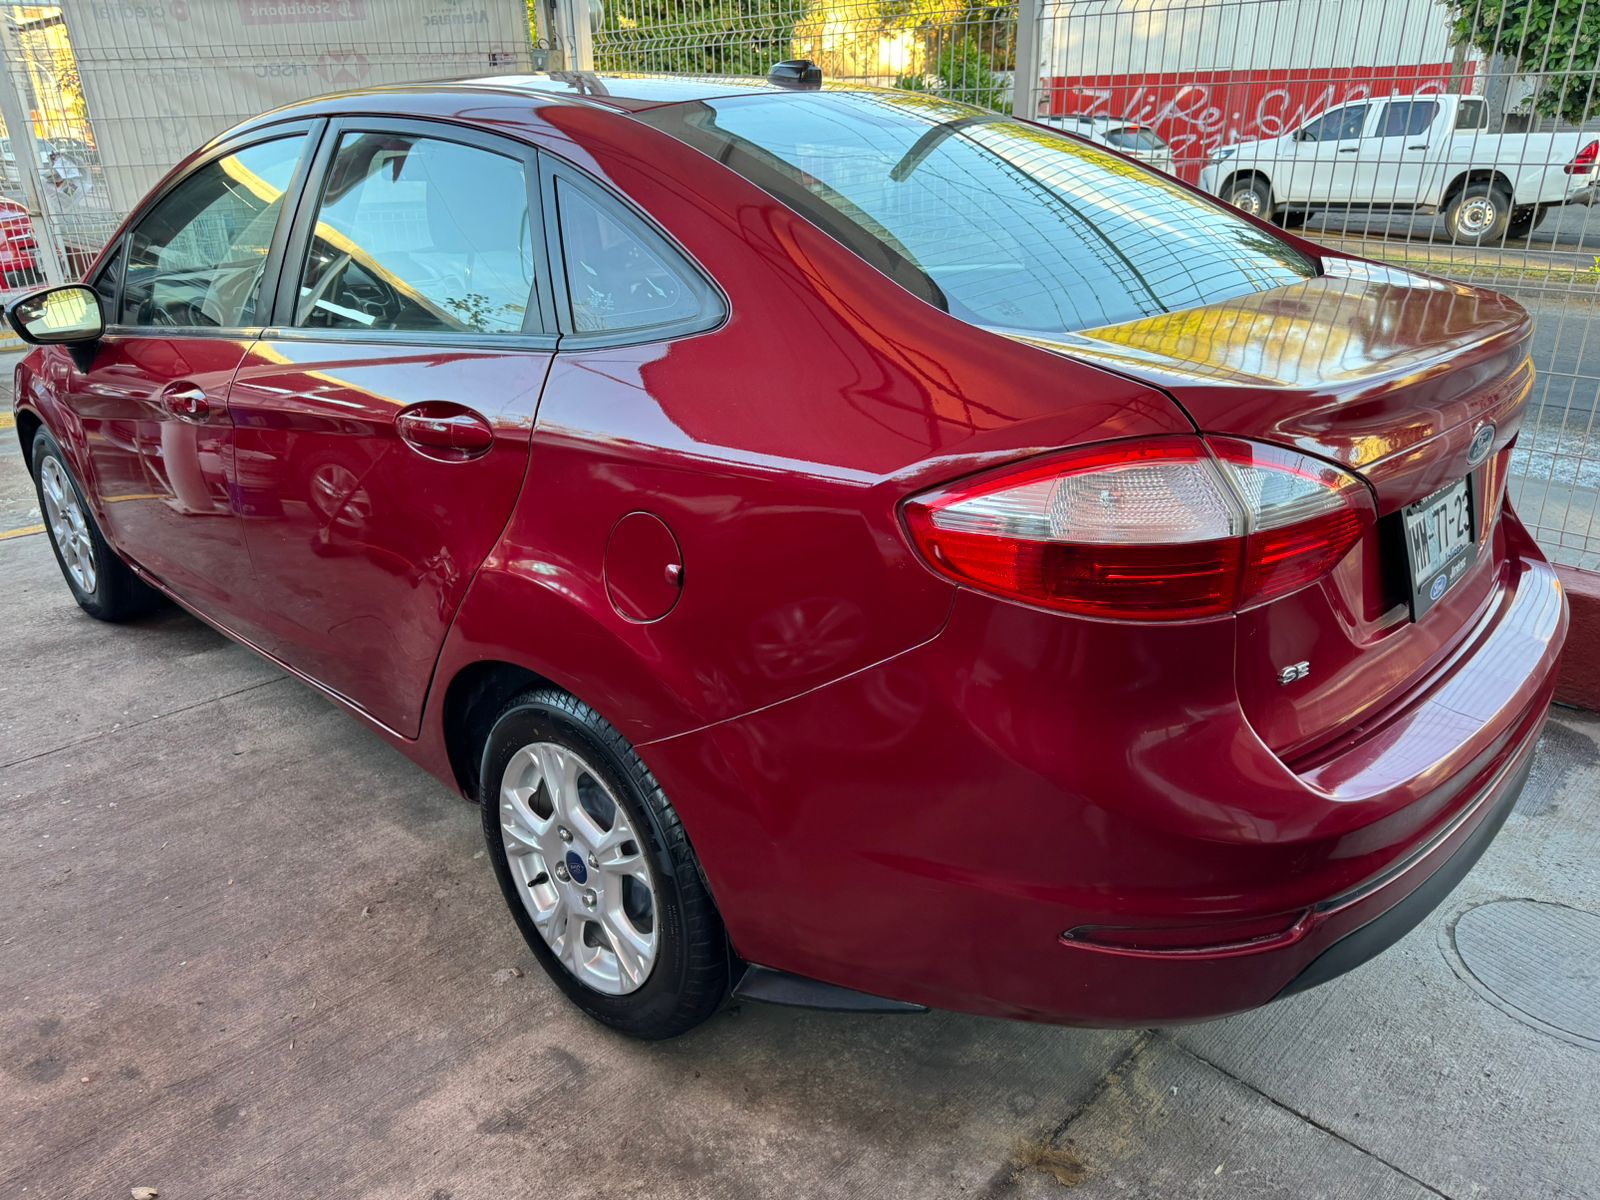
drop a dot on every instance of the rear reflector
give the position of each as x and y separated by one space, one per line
1154 530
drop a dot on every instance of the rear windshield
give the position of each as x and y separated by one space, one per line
1132 137
997 222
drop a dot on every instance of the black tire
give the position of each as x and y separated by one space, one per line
1251 194
1479 215
1525 220
690 976
108 592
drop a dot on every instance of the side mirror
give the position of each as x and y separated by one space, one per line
58 316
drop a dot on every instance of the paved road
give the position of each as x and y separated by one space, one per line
1571 232
250 951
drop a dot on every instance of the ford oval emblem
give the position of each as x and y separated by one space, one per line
1481 442
1438 587
575 867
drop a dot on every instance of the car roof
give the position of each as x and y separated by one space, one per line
630 92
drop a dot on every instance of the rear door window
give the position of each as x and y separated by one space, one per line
1407 118
423 234
998 222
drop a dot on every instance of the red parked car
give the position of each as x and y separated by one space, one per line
18 251
857 550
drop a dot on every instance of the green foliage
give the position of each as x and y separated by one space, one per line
697 37
960 71
1557 42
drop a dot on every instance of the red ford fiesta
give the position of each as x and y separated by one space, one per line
857 550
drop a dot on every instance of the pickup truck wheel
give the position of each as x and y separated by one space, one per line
1250 194
1523 220
1480 214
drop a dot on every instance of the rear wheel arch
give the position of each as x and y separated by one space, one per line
472 700
1477 175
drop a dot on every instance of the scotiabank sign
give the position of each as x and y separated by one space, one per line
295 12
1195 112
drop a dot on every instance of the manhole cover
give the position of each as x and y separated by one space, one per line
1538 962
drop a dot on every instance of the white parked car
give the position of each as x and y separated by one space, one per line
1128 137
1427 154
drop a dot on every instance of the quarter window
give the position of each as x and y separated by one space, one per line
196 259
619 276
419 233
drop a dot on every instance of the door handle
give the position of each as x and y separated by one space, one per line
1421 147
442 430
1349 150
186 401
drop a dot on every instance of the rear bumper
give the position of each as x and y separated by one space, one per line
1048 820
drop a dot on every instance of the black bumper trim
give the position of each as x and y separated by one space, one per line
1384 930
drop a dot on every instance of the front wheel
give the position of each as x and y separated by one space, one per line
594 863
1479 215
102 584
1250 194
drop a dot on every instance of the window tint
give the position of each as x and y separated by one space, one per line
418 233
998 222
196 258
1338 125
1407 118
619 276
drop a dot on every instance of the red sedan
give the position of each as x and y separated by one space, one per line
857 550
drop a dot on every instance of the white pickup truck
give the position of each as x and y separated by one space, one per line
1424 154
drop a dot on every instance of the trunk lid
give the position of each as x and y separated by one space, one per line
1390 375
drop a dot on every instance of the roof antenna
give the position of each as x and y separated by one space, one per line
797 74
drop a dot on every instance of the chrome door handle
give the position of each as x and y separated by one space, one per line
187 402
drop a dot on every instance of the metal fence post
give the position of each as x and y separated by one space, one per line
25 151
1025 74
574 28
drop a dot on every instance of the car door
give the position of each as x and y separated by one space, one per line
384 419
183 295
1393 163
1322 167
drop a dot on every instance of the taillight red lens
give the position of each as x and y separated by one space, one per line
1584 159
1163 529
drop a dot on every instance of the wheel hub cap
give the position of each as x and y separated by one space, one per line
69 529
579 868
1475 216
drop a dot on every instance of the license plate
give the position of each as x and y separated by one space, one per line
1440 543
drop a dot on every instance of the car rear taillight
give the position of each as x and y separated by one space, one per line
1152 530
1584 160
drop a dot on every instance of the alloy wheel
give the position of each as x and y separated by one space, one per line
68 527
579 868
